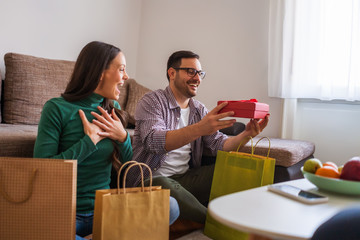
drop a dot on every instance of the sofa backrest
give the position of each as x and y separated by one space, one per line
29 83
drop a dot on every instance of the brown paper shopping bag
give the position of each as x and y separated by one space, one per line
132 213
234 172
37 198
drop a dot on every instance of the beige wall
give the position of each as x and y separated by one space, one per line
59 29
231 38
332 126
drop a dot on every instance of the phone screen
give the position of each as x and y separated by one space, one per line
309 194
298 192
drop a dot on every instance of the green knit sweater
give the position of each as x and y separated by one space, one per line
61 136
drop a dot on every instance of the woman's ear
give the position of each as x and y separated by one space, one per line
102 76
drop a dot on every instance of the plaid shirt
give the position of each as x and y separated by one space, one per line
156 113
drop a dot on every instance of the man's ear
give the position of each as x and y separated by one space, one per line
171 72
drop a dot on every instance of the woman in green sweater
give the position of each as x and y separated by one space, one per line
86 124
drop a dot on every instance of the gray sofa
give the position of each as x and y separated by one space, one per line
30 81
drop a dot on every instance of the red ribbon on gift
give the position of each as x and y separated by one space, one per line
251 100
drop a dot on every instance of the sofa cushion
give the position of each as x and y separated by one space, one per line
17 140
285 151
135 92
29 83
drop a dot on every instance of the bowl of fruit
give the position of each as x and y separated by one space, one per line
329 177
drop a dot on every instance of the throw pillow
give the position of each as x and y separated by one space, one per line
136 91
235 129
29 83
124 90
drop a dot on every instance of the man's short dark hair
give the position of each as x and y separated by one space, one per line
174 60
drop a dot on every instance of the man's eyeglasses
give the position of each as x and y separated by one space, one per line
191 72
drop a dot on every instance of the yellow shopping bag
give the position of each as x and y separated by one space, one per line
234 172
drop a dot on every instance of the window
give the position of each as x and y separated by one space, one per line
314 49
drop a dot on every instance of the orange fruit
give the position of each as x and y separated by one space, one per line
328 171
331 164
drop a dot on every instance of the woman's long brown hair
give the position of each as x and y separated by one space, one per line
93 59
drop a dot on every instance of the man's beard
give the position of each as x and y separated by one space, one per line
184 89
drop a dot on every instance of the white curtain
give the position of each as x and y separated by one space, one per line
314 49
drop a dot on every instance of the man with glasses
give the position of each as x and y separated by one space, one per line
171 131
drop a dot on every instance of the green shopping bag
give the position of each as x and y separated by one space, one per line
234 172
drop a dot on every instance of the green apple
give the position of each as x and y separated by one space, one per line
312 164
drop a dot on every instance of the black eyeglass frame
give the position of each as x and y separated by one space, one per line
200 72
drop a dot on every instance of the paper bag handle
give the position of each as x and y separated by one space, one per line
253 149
121 168
252 145
142 175
243 140
133 163
29 194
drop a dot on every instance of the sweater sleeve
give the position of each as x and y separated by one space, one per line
125 148
48 138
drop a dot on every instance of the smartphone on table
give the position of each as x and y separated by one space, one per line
297 194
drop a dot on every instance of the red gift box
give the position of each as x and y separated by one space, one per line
246 108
